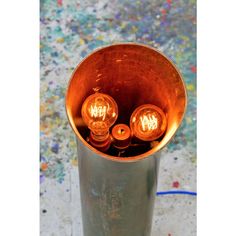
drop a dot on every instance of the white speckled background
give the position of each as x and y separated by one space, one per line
174 215
70 30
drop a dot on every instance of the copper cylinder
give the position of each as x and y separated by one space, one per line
118 193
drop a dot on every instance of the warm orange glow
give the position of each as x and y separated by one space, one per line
148 122
132 74
99 112
121 136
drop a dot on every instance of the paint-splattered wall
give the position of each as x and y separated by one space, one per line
70 29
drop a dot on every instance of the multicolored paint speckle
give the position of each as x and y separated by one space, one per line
70 30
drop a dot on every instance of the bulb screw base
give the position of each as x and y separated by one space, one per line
100 142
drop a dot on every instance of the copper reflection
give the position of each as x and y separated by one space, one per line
133 75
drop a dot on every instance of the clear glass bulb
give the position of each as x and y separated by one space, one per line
148 122
99 112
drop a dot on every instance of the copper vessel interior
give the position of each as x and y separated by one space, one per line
133 75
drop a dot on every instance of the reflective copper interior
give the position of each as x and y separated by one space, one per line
132 74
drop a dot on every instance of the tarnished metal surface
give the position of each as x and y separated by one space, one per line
117 198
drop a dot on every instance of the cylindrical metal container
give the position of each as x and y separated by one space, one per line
118 193
117 198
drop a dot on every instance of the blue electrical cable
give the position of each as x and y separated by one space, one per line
176 192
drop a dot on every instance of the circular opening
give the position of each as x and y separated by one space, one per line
121 131
133 75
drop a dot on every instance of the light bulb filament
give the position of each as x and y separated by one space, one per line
98 111
149 122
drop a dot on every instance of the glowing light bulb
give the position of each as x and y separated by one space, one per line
99 112
148 122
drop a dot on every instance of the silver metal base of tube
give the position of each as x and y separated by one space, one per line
117 198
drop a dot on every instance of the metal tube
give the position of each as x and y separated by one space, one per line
117 193
117 198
